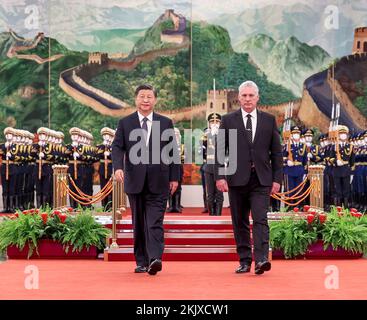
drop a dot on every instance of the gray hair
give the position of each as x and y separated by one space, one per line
249 83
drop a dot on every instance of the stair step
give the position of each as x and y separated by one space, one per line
180 253
182 238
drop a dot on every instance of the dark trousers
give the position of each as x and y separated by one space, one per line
147 210
212 193
342 187
242 199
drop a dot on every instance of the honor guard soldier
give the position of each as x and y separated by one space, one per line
44 168
30 167
342 158
105 166
295 160
359 180
202 152
174 200
214 196
89 157
313 155
8 169
313 152
325 152
76 167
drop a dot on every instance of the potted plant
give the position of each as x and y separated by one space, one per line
337 234
51 234
344 234
290 237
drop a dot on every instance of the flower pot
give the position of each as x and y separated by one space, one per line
49 249
316 251
279 254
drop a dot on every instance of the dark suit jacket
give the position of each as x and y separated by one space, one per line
266 150
158 175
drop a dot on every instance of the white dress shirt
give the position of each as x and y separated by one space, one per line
253 120
149 123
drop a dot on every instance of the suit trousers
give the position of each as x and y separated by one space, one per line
255 198
148 213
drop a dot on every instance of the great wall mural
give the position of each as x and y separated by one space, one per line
63 78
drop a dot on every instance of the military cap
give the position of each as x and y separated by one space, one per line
214 116
309 132
343 129
295 129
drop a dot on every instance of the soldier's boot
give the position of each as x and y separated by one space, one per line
356 201
218 208
363 203
346 203
31 200
45 202
5 204
177 205
21 200
16 203
205 210
180 206
211 208
39 203
11 204
170 204
337 201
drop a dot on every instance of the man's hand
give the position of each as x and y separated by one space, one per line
119 174
290 163
173 186
222 185
275 188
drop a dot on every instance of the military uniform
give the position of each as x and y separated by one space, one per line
359 181
214 196
325 151
202 152
313 156
105 167
174 200
46 157
342 158
8 152
295 161
76 165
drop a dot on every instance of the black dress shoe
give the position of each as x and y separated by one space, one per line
243 268
261 267
141 269
155 266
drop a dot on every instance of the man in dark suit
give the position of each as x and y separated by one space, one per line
145 157
253 139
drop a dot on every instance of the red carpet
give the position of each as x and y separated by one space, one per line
296 279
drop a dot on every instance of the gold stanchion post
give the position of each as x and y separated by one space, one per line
114 244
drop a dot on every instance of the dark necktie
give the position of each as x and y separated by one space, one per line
249 128
145 128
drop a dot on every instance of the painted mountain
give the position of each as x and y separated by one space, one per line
306 22
287 62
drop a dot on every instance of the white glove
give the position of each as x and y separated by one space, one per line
290 163
107 153
351 178
339 163
76 155
41 155
309 155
